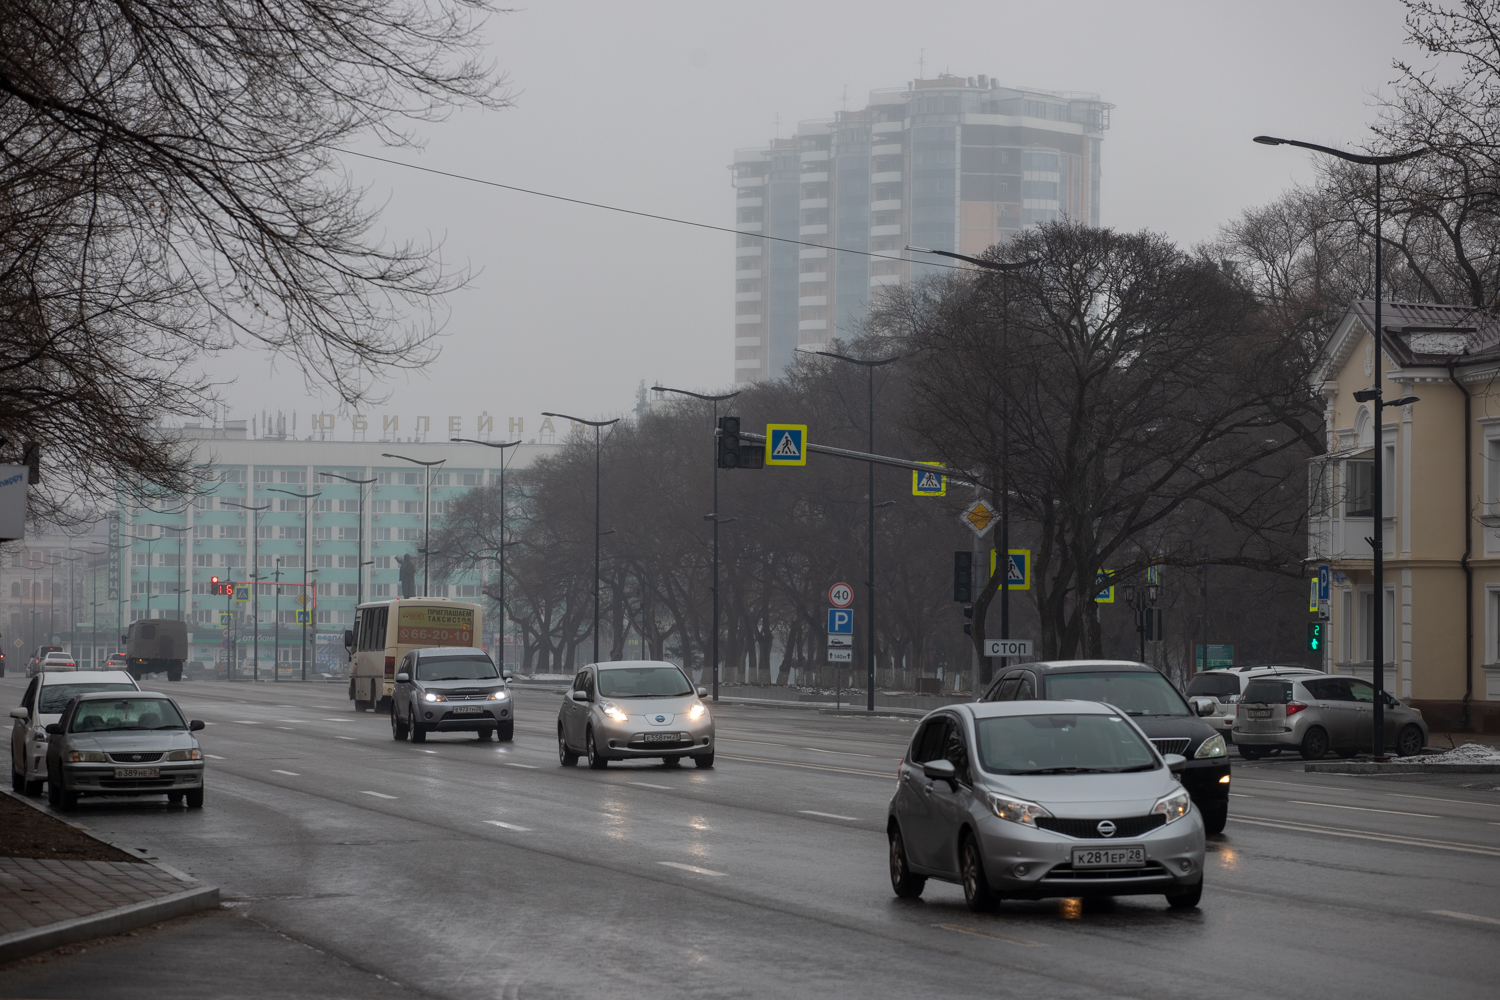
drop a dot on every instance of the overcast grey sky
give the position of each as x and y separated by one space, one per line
641 105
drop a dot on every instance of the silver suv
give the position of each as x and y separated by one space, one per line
1225 686
450 689
1321 712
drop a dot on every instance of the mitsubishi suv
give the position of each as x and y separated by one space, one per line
450 689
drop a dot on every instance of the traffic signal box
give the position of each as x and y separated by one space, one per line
1315 637
963 577
219 589
735 453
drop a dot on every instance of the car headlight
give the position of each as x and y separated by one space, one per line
1016 810
429 696
615 712
499 695
183 755
698 711
85 756
1211 747
1174 805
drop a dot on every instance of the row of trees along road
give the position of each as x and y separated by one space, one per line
1148 404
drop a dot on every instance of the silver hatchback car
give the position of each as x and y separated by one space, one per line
1031 799
1320 712
1225 685
631 709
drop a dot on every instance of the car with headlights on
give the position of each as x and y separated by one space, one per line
629 709
1042 798
450 689
123 743
46 696
1153 704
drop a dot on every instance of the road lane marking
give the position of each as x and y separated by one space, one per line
509 826
343 737
1429 798
1241 795
378 795
287 729
1363 809
330 719
1465 916
529 767
814 812
849 753
693 868
214 756
248 722
289 774
989 934
429 751
810 767
647 784
1329 831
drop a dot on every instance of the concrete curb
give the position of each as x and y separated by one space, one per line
1356 767
116 921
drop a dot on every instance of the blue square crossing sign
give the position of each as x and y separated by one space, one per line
786 444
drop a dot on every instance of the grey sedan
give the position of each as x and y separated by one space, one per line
1031 799
634 708
123 744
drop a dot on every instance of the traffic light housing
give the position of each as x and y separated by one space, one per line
969 623
1315 637
220 589
963 577
735 453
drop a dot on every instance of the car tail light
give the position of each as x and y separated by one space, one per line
1293 707
390 665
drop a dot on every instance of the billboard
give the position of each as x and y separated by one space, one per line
439 626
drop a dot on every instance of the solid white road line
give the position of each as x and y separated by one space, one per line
529 767
351 737
1328 831
848 753
814 812
1429 798
351 720
217 757
1465 916
289 774
1238 795
291 730
647 784
509 826
692 868
1363 809
989 934
378 795
248 722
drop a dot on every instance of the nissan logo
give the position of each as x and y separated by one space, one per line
135 756
1106 828
661 718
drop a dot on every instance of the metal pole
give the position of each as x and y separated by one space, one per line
426 526
870 541
714 644
255 593
1377 505
1205 611
502 561
596 544
276 638
307 605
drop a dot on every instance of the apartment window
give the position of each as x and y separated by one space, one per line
291 506
293 476
383 562
348 506
292 532
440 506
409 535
140 559
470 590
380 590
411 479
203 559
381 507
381 535
322 534
411 506
203 503
346 562
348 534
470 479
232 476
383 478
325 590
265 476
438 590
203 531
233 531
323 562
1492 476
440 478
1359 489
325 617
232 562
1388 481
348 590
322 506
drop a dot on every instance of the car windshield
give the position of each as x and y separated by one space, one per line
127 713
1135 692
1268 692
1061 744
643 682
1213 684
55 697
455 668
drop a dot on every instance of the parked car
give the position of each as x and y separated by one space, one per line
45 698
123 743
1153 704
1226 685
448 689
1322 712
1030 799
631 709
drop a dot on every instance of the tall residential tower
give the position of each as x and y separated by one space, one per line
953 163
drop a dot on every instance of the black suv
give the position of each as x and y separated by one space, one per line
1151 701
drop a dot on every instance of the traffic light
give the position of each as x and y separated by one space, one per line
734 453
963 576
220 589
1315 636
969 625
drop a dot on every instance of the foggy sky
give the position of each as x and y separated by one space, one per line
642 104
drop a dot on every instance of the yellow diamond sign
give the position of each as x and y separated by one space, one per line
979 516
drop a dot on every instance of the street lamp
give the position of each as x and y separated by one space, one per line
714 517
307 605
869 367
1377 472
254 581
597 425
72 611
360 558
426 506
502 445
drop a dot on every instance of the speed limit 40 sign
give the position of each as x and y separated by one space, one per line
841 595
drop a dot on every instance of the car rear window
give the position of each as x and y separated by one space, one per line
1268 692
1213 684
127 713
1137 692
55 697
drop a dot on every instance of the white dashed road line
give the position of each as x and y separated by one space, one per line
693 868
378 795
1363 809
214 756
1329 831
509 826
289 774
989 934
1238 795
814 812
1465 916
647 784
249 722
343 737
529 767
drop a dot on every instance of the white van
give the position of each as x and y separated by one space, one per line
385 631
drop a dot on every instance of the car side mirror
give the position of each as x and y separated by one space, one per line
124 638
348 638
24 714
195 725
403 677
1203 706
703 692
1174 761
54 728
580 696
940 770
507 675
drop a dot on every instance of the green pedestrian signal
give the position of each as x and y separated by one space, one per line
1315 636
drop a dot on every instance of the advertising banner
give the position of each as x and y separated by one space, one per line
438 626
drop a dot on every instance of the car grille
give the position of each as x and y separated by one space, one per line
1088 829
467 695
1172 746
1067 873
136 758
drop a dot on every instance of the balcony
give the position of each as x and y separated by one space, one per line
812 277
818 177
738 297
812 300
886 149
889 205
814 156
886 177
819 230
755 202
738 252
887 128
812 253
753 319
812 324
885 230
747 341
1343 538
813 203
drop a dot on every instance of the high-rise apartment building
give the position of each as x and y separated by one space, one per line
955 163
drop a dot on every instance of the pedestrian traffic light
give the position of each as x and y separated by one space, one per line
963 576
1315 636
969 625
735 453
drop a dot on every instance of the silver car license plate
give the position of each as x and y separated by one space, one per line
1108 857
467 710
1258 713
137 772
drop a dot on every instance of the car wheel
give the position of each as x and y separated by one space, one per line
33 788
1346 754
506 732
1409 741
565 757
1186 899
194 798
1215 816
1314 743
418 731
707 760
1249 752
174 798
977 892
671 762
906 885
69 801
485 734
54 790
398 728
17 780
597 760
174 673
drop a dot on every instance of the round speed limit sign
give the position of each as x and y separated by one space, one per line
841 595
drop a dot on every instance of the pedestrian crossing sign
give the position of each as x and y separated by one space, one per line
1106 595
303 617
786 444
1018 576
225 619
929 484
242 592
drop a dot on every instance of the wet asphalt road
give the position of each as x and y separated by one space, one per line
352 865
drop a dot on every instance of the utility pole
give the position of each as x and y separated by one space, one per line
598 426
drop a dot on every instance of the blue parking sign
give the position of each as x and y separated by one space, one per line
840 621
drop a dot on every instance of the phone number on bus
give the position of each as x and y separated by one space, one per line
452 637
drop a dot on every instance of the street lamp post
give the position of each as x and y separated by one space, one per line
254 582
713 517
426 506
1377 472
360 558
598 426
72 610
502 445
307 605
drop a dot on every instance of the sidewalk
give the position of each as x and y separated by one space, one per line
78 888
